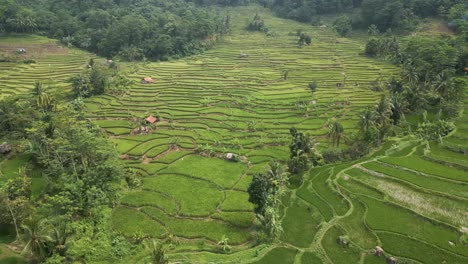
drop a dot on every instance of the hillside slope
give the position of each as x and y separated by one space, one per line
242 97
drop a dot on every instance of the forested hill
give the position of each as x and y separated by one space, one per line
133 30
163 29
385 14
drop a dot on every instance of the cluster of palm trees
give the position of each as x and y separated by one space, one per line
23 22
375 124
335 133
44 100
387 46
265 193
303 153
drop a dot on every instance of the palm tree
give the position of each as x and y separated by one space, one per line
36 239
442 83
277 176
22 22
399 107
410 74
366 120
224 243
59 237
276 173
335 133
43 99
383 111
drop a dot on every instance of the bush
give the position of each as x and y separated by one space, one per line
298 165
313 86
29 61
257 24
372 47
342 25
355 151
332 155
435 130
304 39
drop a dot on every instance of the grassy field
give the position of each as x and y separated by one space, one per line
234 98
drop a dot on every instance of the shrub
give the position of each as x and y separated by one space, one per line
372 47
355 151
29 61
257 24
342 25
434 130
304 39
313 86
332 155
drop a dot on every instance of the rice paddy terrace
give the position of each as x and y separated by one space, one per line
43 60
409 198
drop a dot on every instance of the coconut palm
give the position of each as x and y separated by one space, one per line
43 99
399 107
22 22
442 83
335 133
383 112
410 73
366 120
59 238
36 238
278 178
276 173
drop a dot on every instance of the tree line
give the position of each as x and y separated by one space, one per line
385 14
59 204
132 30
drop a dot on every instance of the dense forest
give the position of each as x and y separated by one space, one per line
394 14
160 29
132 30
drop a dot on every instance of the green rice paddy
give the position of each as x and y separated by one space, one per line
234 99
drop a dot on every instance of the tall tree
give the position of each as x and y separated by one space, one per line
36 238
366 124
44 101
303 153
343 26
335 133
265 193
383 112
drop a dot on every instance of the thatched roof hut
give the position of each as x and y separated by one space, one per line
147 80
151 119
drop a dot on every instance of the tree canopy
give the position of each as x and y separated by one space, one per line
153 29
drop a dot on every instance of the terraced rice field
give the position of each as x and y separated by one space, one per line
235 98
242 104
54 64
